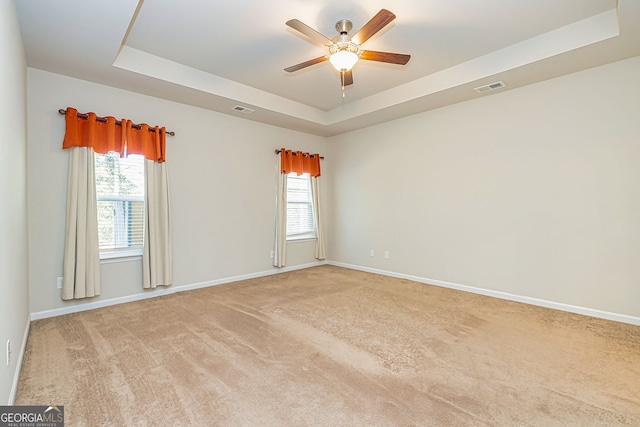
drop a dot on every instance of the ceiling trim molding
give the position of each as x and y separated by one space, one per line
574 36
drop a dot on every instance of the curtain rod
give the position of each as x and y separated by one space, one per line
118 122
295 154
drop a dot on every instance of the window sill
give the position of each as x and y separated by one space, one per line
300 239
120 256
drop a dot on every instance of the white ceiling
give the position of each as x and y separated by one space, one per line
219 54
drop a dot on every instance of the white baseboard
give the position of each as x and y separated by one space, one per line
502 295
16 375
152 293
488 292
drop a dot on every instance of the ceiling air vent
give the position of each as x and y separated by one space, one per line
241 109
492 86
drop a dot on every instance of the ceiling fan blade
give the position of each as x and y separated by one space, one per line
375 24
309 32
348 78
391 58
306 64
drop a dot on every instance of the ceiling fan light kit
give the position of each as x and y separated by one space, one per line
343 60
345 50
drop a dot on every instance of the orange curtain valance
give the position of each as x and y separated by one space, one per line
299 162
104 135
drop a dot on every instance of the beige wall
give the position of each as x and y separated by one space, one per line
14 309
533 192
222 183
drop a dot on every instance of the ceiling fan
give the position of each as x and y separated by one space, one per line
345 50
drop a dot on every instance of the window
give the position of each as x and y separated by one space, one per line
120 203
300 223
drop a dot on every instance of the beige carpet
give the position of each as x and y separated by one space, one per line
328 346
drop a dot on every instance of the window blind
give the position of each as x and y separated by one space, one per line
299 207
120 201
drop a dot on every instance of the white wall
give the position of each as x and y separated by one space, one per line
14 313
533 192
222 183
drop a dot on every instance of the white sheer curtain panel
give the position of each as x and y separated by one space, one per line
157 256
81 264
280 245
315 195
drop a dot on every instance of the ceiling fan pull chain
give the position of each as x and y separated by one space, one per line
342 73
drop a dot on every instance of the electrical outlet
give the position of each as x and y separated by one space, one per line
8 352
271 254
372 252
386 254
59 283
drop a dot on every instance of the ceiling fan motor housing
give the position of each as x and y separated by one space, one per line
342 42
